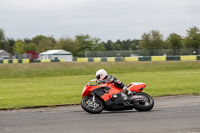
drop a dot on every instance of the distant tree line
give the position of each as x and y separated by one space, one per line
81 43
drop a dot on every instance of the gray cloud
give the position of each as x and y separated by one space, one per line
106 19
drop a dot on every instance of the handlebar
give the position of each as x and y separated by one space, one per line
93 81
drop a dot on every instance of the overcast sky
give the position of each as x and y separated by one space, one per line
105 19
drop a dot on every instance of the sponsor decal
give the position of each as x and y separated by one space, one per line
119 82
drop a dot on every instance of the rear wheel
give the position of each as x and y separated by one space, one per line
144 105
92 107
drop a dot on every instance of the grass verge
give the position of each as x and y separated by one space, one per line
162 78
34 70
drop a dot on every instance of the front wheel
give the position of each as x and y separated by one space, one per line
146 104
90 106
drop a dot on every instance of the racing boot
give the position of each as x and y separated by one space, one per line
127 91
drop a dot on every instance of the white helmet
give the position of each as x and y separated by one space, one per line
101 74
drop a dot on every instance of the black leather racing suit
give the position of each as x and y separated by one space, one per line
112 79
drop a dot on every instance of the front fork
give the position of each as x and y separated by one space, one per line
93 98
93 102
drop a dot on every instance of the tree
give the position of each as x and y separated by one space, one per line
38 38
192 40
117 45
108 45
8 44
2 36
157 39
152 41
100 47
126 44
97 45
145 42
84 42
67 44
174 41
2 39
45 44
19 47
30 47
27 40
118 42
134 44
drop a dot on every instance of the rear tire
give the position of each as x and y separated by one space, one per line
93 108
146 105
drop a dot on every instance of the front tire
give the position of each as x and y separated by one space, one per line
92 107
146 105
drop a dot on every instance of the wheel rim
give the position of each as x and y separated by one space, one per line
146 101
92 105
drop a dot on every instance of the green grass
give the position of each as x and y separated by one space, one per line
28 85
71 69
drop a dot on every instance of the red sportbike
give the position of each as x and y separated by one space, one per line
96 98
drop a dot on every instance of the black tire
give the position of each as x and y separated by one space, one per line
146 105
88 107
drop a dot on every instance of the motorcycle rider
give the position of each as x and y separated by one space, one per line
104 78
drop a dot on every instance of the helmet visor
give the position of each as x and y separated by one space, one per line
98 76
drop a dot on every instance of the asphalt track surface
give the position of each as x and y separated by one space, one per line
176 114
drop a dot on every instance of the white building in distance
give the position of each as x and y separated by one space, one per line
4 54
56 55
